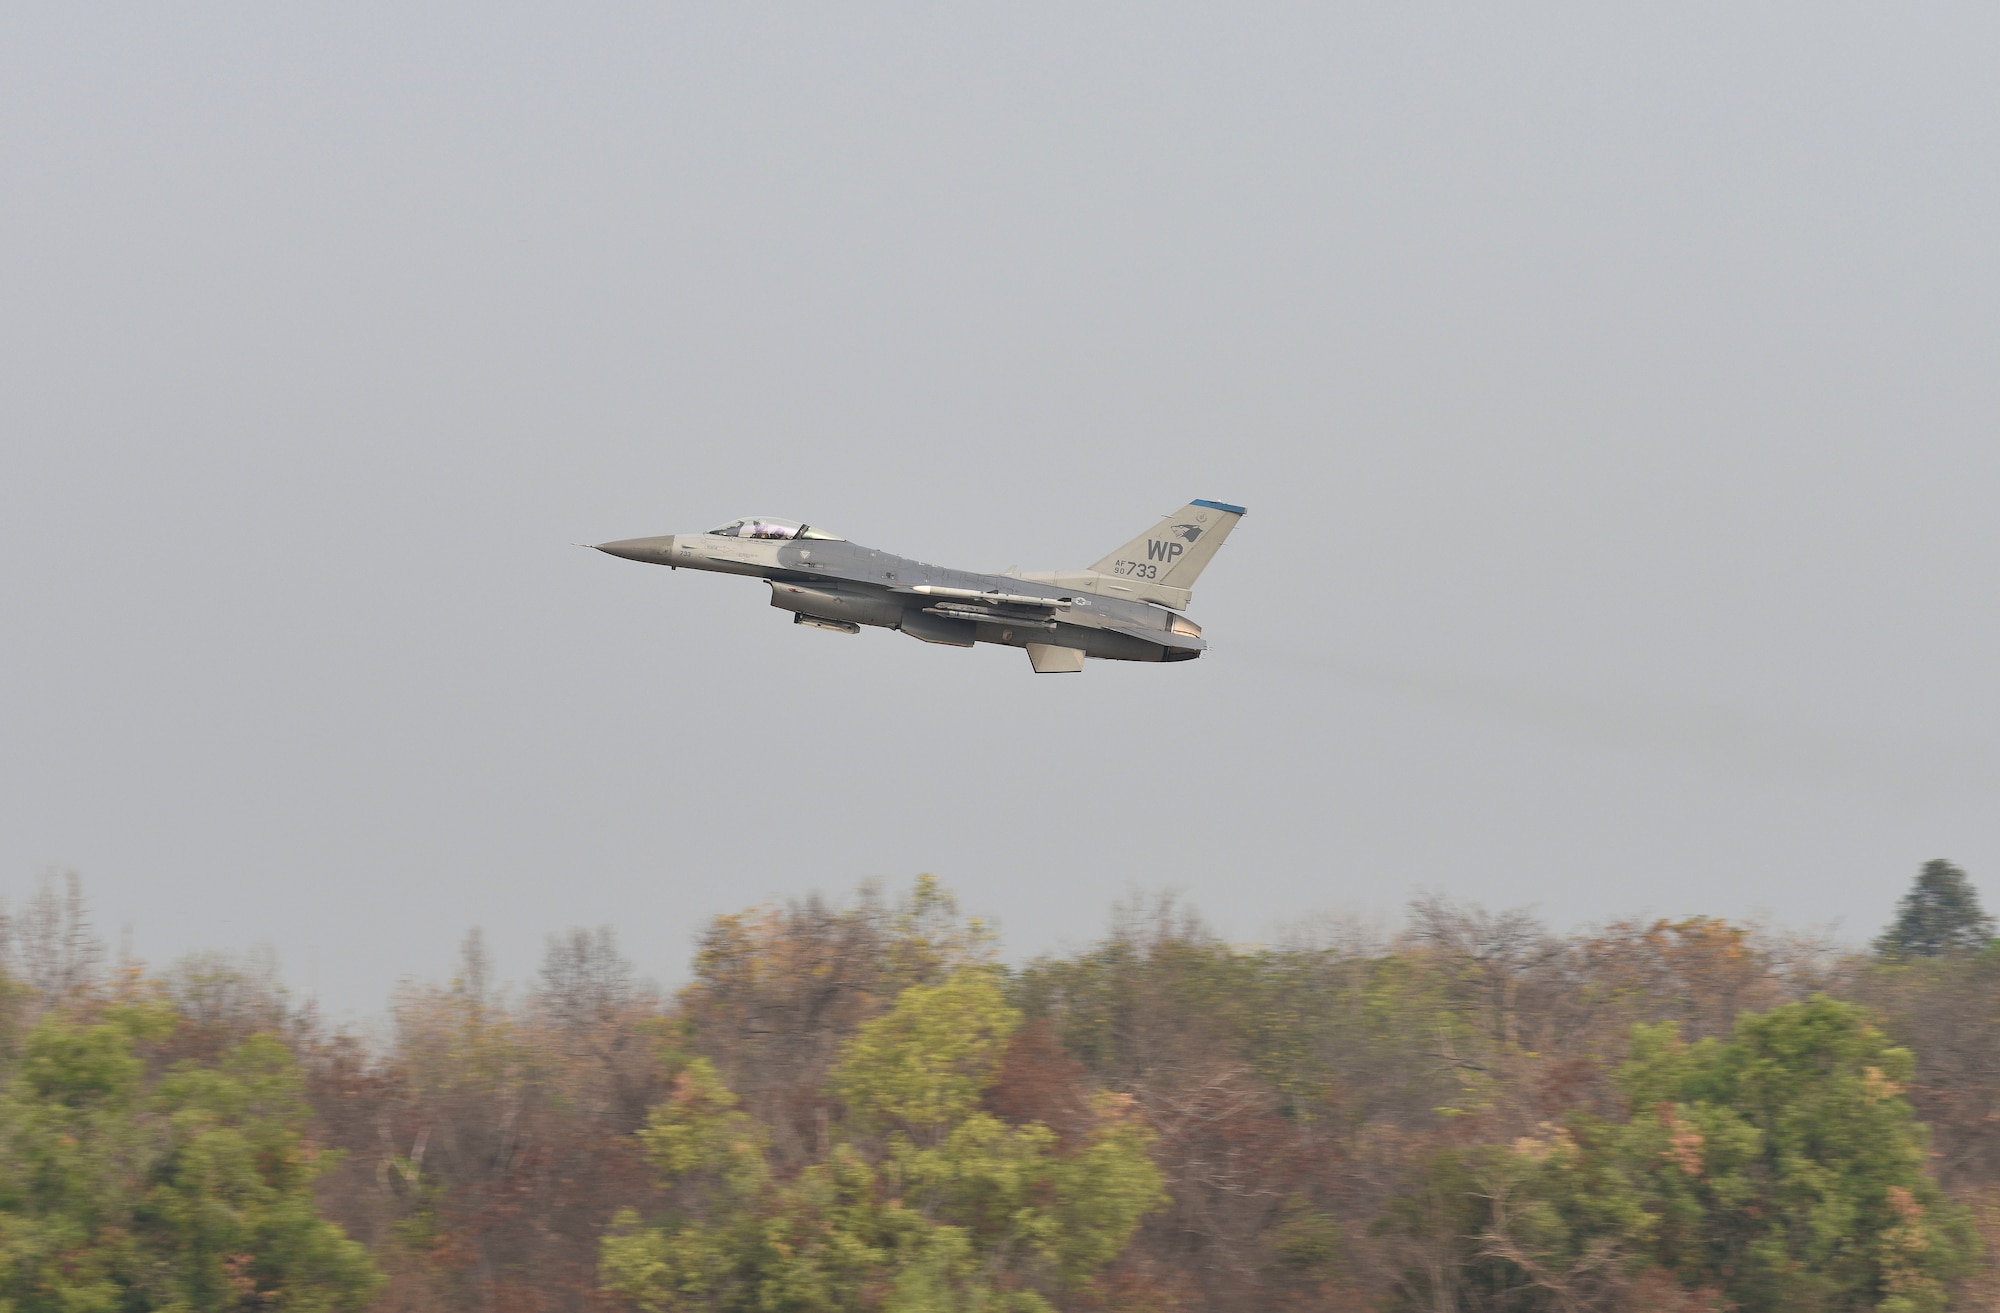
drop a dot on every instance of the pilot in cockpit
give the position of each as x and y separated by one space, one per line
771 530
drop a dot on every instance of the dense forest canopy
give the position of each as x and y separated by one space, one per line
856 1105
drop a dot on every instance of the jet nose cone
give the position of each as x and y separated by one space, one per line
652 551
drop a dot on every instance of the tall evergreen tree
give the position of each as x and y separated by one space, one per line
1940 915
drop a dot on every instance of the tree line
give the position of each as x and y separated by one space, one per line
855 1105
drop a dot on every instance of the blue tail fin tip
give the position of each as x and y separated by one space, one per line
1221 506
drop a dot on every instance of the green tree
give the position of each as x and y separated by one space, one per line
1939 915
1782 1171
192 1191
925 1201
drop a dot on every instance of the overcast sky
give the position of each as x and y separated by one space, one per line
1615 391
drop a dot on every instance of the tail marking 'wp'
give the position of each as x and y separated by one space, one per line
1162 563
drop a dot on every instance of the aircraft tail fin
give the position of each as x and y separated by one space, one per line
1174 551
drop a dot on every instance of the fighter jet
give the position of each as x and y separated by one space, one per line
1124 608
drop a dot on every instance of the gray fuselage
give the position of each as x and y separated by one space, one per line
835 584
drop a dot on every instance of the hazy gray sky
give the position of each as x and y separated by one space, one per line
1615 391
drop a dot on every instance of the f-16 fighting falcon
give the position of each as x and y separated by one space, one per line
1124 608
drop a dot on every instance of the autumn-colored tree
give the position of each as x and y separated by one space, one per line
1284 1085
492 1144
1942 1010
778 990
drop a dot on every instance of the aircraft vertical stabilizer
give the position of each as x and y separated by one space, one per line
1174 551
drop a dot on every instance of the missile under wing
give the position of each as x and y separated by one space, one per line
1124 608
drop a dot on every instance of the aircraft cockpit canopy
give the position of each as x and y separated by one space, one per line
763 526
